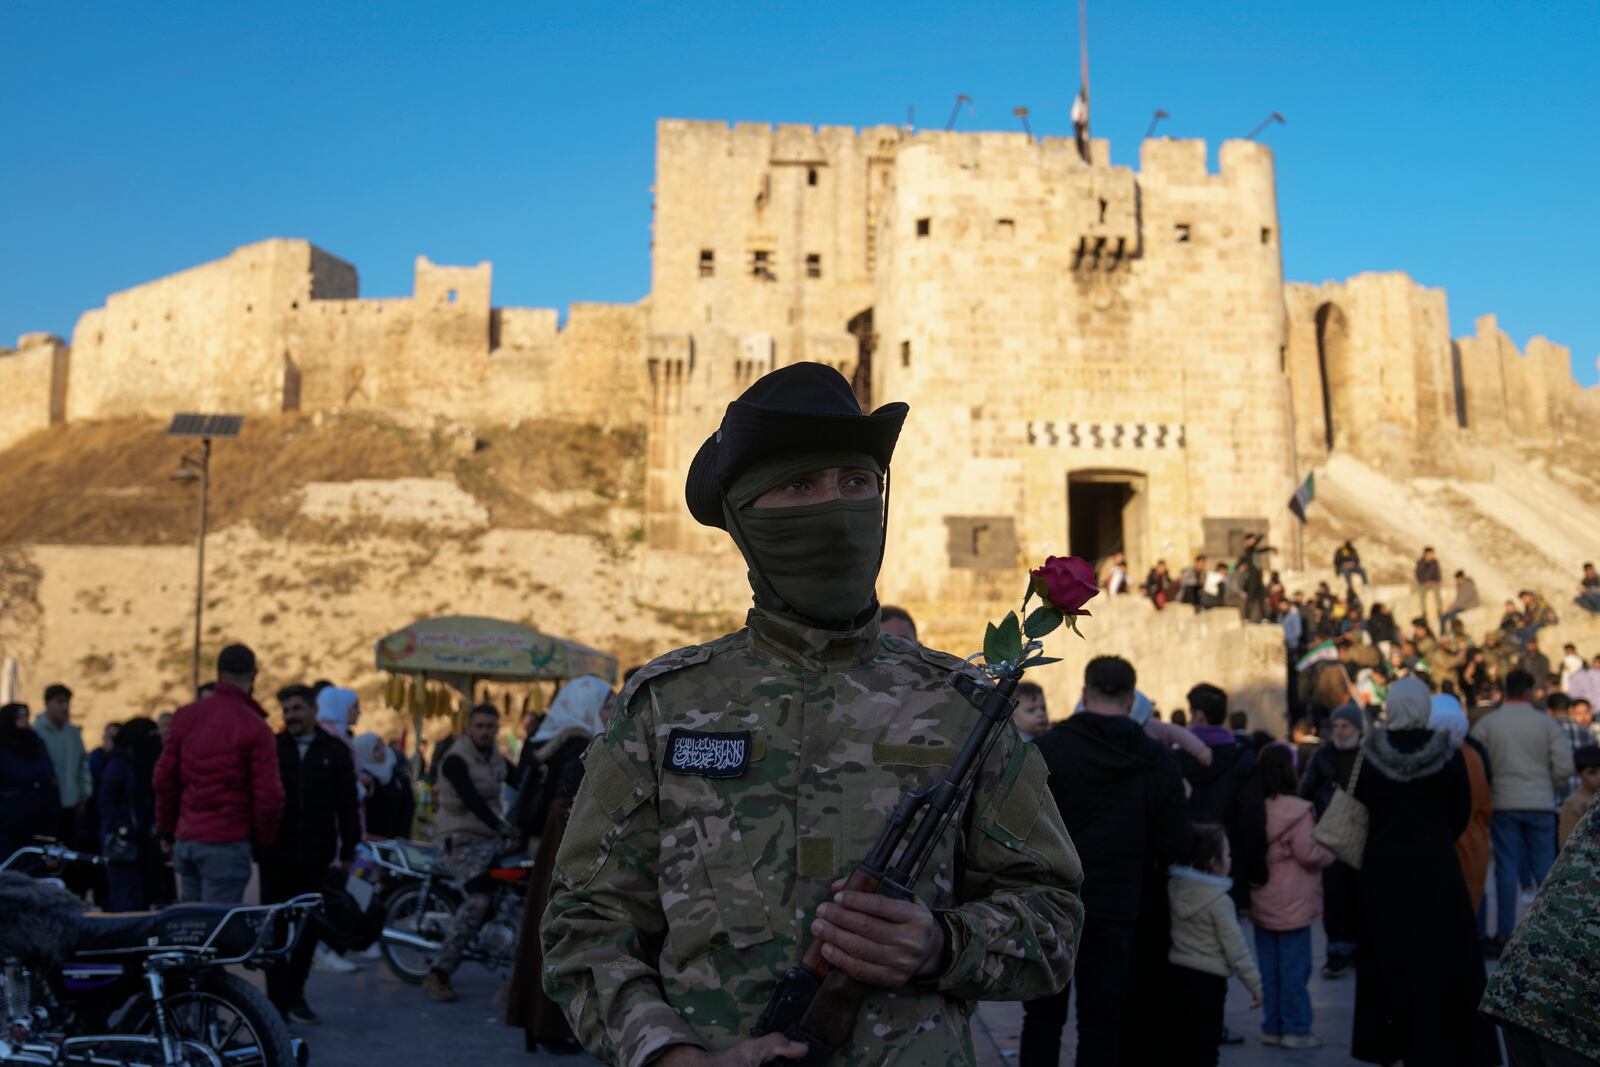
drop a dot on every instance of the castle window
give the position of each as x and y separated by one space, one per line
813 265
811 175
924 227
1103 206
1266 235
905 353
1005 229
1183 233
450 297
761 265
708 263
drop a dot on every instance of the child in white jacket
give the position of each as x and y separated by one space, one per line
1207 946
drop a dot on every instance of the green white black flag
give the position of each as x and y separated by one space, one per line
1303 496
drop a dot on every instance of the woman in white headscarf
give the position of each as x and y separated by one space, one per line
1472 847
1419 968
337 710
389 803
544 798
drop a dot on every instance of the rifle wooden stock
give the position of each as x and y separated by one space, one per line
832 1014
861 880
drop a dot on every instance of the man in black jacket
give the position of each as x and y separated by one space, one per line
1228 791
321 823
1121 795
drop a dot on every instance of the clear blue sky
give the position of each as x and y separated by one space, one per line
1455 141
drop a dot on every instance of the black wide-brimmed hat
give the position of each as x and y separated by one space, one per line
801 407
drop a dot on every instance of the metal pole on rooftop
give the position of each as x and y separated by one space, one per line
200 555
1083 44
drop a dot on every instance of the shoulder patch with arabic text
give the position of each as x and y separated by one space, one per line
711 754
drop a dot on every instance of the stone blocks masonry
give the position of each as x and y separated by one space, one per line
1098 358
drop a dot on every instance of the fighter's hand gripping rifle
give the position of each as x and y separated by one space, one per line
816 1004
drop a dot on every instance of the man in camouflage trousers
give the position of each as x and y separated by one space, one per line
744 778
473 833
1545 994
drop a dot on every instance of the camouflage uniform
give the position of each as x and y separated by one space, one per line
468 860
1548 980
681 898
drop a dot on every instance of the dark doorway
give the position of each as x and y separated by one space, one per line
860 326
1460 384
1105 515
291 383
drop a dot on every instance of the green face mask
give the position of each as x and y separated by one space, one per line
819 560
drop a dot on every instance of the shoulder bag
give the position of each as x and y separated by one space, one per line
1342 829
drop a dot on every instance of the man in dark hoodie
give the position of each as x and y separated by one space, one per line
1121 795
1229 790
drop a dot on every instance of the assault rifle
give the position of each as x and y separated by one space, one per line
816 1004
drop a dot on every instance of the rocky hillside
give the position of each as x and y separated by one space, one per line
330 531
327 532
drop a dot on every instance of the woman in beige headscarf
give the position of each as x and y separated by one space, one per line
544 798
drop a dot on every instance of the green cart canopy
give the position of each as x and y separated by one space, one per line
463 649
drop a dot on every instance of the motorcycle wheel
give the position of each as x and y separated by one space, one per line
424 913
228 1015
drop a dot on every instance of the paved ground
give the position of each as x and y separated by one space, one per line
998 1026
373 1018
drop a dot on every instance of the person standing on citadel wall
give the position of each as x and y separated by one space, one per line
741 780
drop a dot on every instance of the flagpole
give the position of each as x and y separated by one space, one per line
1294 470
1083 50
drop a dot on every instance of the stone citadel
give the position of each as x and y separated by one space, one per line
1098 358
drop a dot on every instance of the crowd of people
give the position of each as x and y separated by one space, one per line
1467 757
1184 833
717 819
188 806
1189 831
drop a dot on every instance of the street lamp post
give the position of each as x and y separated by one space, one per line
191 467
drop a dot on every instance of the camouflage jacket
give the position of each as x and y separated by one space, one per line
681 897
1548 980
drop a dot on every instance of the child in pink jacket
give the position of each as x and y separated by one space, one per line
1283 910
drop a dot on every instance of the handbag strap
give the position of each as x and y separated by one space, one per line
1355 771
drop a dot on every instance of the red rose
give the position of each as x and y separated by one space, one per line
1067 582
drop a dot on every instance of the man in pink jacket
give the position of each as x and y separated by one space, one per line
217 786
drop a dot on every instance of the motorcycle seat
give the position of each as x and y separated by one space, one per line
181 924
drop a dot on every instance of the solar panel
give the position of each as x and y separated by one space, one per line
191 425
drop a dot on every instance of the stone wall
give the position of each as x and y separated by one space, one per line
1370 367
279 326
1506 393
766 229
1171 651
1066 332
33 381
210 338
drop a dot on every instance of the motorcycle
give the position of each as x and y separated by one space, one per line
418 899
143 989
